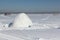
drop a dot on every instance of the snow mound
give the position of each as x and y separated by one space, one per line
22 20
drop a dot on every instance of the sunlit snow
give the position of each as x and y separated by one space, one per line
34 27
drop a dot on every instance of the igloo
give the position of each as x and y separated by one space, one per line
22 20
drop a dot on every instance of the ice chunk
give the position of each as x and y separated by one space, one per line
22 20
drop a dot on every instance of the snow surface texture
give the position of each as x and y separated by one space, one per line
22 20
37 21
38 34
43 28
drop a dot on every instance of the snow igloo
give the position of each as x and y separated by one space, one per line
22 20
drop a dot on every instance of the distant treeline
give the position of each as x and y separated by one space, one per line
30 12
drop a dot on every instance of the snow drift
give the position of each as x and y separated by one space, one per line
22 20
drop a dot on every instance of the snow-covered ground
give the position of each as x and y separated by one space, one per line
43 28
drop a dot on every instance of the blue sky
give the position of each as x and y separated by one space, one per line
30 5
